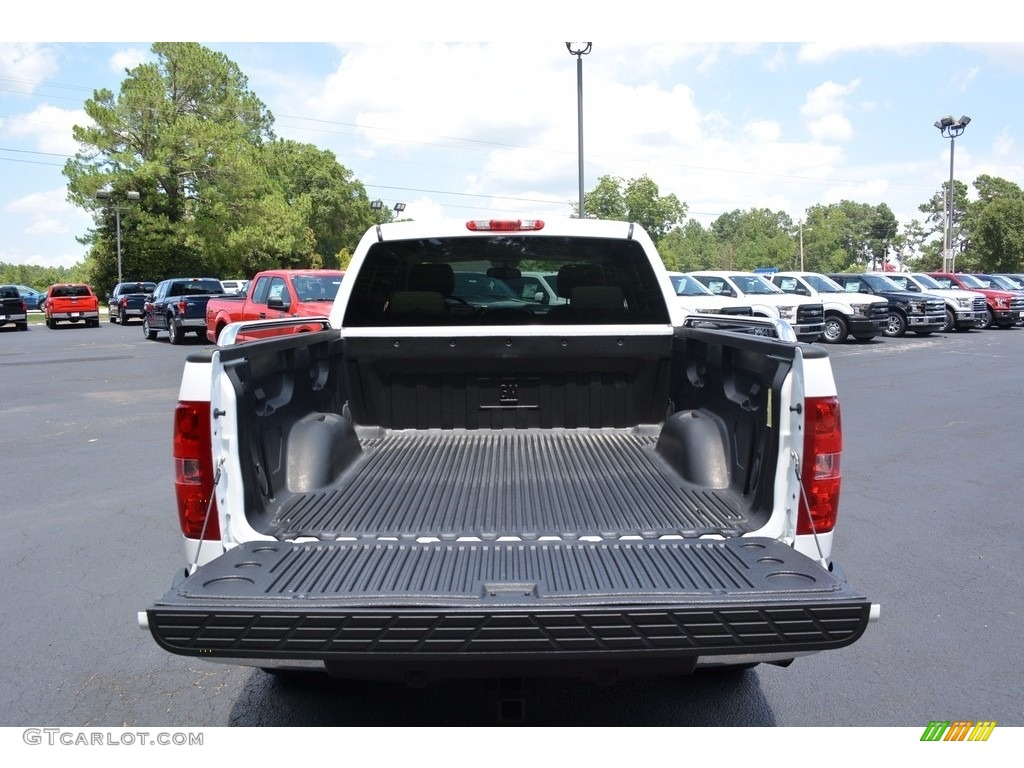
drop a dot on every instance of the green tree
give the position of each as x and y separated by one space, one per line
754 238
218 195
826 229
998 236
337 208
688 248
992 225
637 200
935 221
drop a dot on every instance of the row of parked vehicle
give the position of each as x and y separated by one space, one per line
820 307
834 307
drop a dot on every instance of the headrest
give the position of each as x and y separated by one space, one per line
416 303
429 276
573 276
587 297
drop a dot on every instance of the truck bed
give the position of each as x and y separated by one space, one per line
566 484
472 508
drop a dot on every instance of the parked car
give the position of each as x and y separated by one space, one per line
964 309
1004 307
178 306
32 297
13 308
73 303
921 313
128 300
846 313
806 315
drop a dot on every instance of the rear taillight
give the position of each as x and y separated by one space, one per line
182 306
821 476
193 470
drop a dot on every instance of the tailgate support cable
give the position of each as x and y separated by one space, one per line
810 518
206 517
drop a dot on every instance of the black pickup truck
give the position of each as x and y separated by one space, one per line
178 306
128 300
13 308
921 313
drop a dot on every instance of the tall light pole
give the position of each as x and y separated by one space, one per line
579 50
132 196
802 245
950 129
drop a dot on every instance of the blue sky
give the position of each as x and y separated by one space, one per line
467 130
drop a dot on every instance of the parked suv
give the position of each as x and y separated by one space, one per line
766 300
964 309
1004 307
845 313
921 313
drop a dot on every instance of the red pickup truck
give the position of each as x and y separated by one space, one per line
276 293
1005 308
72 302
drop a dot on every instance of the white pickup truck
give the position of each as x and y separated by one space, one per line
696 299
846 314
431 487
805 314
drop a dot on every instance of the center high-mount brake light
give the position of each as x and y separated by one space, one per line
504 225
821 475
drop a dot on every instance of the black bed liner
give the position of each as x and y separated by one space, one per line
352 602
526 484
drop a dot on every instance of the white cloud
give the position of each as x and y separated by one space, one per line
1004 145
828 97
49 128
962 80
127 59
831 128
763 131
27 64
819 53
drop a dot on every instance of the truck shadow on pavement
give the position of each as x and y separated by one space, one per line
732 699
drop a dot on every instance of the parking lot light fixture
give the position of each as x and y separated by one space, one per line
950 129
376 205
399 207
131 196
579 50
